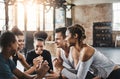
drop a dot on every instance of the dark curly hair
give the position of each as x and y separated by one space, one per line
6 39
77 29
40 35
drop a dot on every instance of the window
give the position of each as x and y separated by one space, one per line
20 16
2 17
116 16
34 12
49 20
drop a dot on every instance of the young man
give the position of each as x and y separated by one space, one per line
8 70
39 51
62 47
61 53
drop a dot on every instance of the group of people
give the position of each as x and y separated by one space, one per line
74 58
83 61
9 47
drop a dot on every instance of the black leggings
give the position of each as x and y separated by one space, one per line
89 75
114 74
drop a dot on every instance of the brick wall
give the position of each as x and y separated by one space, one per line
87 14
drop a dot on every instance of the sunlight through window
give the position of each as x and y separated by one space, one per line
20 16
32 17
116 16
2 18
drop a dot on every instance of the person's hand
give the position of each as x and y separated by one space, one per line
96 77
37 60
58 64
52 75
42 69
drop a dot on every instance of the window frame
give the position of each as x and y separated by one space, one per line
116 17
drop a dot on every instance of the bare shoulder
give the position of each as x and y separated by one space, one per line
58 50
87 53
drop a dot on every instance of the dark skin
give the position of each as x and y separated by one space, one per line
42 69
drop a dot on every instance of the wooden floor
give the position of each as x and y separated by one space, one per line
111 52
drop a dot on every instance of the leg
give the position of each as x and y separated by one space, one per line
114 74
89 75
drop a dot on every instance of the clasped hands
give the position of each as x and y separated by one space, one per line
41 67
57 63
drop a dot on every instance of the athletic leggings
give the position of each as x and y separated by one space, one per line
114 74
89 75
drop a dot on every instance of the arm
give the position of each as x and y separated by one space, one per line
41 71
21 75
58 57
31 70
81 72
49 59
23 60
54 76
36 62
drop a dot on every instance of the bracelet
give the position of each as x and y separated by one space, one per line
60 77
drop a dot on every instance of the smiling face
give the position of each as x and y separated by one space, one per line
71 40
59 40
38 46
13 48
20 40
8 43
